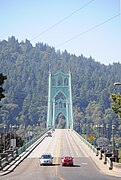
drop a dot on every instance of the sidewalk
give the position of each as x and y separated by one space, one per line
99 163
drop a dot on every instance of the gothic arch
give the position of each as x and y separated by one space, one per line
59 99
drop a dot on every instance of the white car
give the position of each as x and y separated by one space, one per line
46 159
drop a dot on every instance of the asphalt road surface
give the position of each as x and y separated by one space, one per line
62 143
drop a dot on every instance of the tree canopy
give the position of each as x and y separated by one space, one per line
26 88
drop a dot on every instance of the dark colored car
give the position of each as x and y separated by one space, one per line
67 161
49 134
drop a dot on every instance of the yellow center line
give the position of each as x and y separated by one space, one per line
57 157
60 178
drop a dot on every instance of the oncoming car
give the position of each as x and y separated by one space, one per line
67 161
46 159
49 134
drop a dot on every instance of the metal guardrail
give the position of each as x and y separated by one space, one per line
10 155
7 158
94 149
109 163
3 163
27 145
10 158
99 152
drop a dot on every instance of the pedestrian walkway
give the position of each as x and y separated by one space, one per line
99 163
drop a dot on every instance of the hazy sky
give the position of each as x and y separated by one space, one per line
88 27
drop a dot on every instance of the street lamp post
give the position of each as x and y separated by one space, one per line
98 130
4 138
101 130
102 126
107 128
10 134
14 135
113 140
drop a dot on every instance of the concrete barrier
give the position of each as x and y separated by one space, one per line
14 154
97 151
5 157
109 163
18 158
106 154
3 163
101 154
9 158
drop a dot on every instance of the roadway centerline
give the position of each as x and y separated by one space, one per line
57 157
57 161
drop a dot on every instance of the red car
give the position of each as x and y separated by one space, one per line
67 160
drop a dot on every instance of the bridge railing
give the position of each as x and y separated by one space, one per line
28 144
7 158
93 148
106 157
3 163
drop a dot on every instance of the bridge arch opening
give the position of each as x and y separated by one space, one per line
60 121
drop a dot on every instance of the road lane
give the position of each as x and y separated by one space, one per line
62 143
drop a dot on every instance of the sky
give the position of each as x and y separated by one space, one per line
88 27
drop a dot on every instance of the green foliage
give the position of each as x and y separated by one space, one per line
120 155
2 78
26 67
116 104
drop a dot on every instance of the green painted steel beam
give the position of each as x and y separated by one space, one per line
59 99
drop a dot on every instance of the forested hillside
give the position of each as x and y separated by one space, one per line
26 87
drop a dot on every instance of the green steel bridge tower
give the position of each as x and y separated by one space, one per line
59 99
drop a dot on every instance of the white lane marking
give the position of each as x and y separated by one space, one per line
84 163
